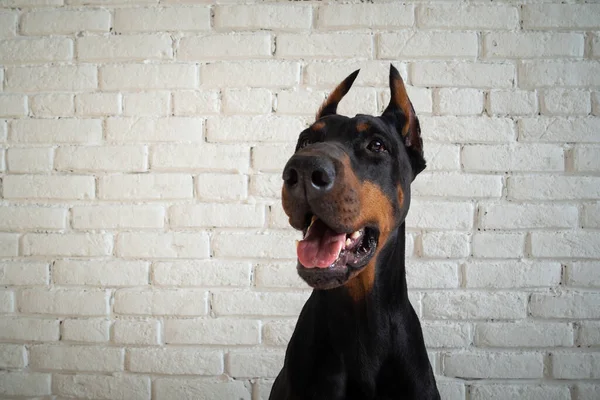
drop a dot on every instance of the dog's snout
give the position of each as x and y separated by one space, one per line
312 176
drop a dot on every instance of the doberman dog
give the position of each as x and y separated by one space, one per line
347 188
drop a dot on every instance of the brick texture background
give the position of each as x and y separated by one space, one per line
143 250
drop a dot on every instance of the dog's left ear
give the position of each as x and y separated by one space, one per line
401 112
329 107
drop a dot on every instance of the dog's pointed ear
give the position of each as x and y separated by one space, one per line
329 106
401 112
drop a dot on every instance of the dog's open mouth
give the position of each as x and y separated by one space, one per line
327 258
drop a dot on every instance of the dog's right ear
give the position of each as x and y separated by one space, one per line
329 107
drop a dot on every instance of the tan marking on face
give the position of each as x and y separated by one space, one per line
362 126
317 126
400 197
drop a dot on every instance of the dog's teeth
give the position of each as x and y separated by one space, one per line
355 234
297 243
348 242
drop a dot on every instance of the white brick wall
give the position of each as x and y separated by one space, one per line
143 250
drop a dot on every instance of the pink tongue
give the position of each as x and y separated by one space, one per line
321 246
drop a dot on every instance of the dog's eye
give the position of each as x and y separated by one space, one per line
376 146
303 143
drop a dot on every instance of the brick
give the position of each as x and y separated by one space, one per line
457 185
587 391
37 159
201 273
196 389
565 305
590 216
586 159
352 16
7 301
262 16
48 187
12 356
497 391
212 331
494 364
54 131
264 388
278 275
144 129
553 187
318 45
451 101
584 274
442 157
24 384
523 334
451 390
65 22
216 215
523 216
29 51
13 105
595 38
205 156
581 244
468 129
467 16
559 130
475 305
501 158
147 104
162 19
278 332
9 244
432 274
146 186
102 387
176 361
427 44
137 332
444 335
29 329
588 333
445 244
181 302
258 303
559 73
565 102
67 244
118 216
358 101
163 245
575 365
512 102
270 244
125 48
101 158
498 244
271 157
100 273
97 104
3 127
196 102
86 330
511 274
277 217
266 185
15 273
532 45
78 358
330 73
462 74
247 101
221 186
8 23
23 217
260 73
87 302
51 78
246 364
147 76
225 46
439 215
52 105
2 162
254 129
571 16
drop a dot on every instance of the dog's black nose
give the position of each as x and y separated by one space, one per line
314 175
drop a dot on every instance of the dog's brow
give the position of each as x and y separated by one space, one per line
362 126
